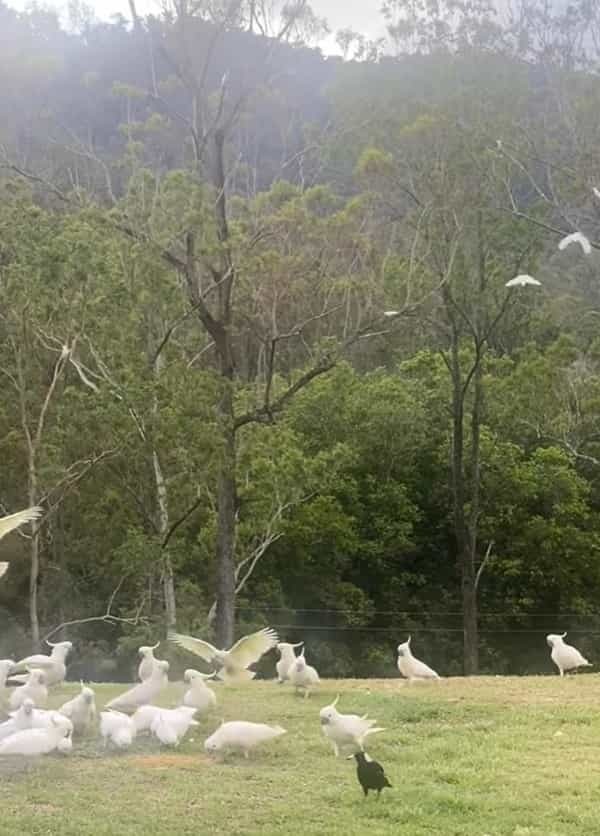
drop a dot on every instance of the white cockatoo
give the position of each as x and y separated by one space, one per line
523 280
346 730
39 741
54 665
81 710
413 668
198 695
302 676
145 692
33 689
286 658
13 521
146 666
6 665
576 238
144 717
240 735
118 728
234 662
171 724
18 721
565 656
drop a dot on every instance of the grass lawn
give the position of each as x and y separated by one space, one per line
489 755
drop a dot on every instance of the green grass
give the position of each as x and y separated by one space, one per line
491 755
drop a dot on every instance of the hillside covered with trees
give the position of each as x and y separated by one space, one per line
259 361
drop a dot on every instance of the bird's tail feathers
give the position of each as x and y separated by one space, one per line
371 731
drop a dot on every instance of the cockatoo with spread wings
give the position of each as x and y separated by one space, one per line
234 663
13 521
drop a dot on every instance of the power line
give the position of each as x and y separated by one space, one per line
420 613
415 630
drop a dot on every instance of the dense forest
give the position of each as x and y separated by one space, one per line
260 365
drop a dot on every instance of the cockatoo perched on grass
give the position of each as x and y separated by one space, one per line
57 735
144 717
13 521
147 664
241 735
346 730
286 659
523 280
34 689
144 693
19 721
413 668
234 662
53 665
565 656
81 710
199 695
6 666
118 728
302 676
171 724
576 238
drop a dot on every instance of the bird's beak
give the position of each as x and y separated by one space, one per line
549 643
324 721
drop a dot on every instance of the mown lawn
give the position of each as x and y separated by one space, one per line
491 755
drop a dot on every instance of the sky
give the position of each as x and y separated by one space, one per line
361 15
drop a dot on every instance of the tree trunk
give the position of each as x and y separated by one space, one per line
469 582
34 553
162 515
226 523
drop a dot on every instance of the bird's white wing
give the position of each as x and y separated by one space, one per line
38 661
15 520
3 568
576 238
197 646
249 649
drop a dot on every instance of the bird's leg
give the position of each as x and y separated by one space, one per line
336 751
366 791
306 693
246 754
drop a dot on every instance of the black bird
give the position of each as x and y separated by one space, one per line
370 774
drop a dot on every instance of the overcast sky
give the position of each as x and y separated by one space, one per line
362 15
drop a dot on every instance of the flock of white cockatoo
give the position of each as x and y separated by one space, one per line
30 729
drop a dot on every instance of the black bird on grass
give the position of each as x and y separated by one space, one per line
370 774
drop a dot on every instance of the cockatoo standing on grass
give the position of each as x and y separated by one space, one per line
19 720
199 695
287 657
144 693
171 724
346 730
118 728
234 662
241 735
413 668
302 676
40 741
146 666
54 665
565 656
81 710
34 689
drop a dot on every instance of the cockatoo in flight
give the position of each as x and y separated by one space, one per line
565 656
13 521
523 280
576 238
235 661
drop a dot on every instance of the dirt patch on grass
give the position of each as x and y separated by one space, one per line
173 761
